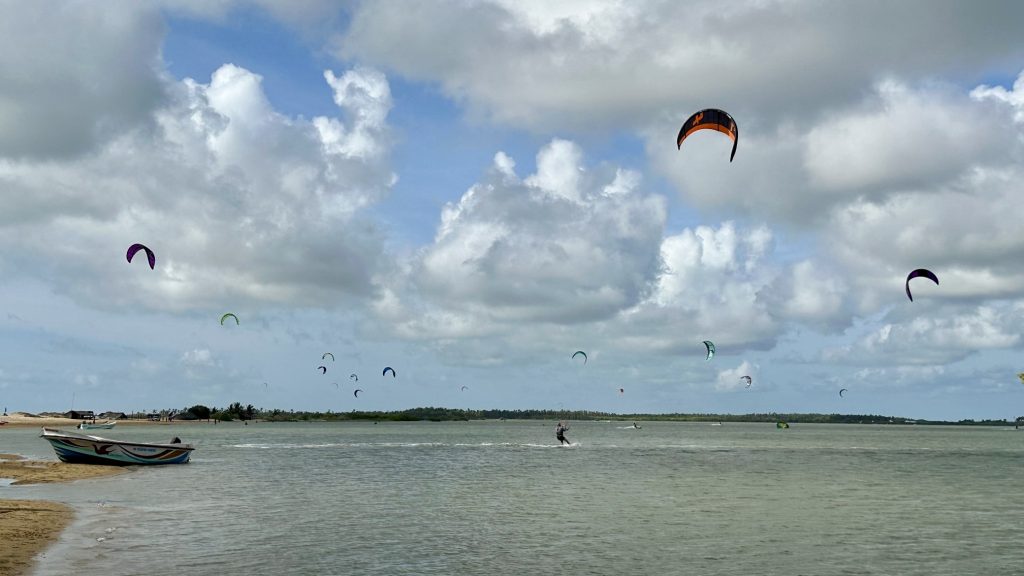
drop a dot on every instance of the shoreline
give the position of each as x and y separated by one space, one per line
20 421
29 527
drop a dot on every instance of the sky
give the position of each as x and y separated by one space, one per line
469 191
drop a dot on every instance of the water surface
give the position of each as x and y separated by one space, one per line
503 498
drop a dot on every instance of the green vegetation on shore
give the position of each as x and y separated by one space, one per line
238 412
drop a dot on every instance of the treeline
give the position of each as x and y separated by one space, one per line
236 411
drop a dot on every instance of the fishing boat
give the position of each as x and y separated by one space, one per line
94 426
85 449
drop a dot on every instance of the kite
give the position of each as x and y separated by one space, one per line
323 369
356 393
149 254
922 273
578 353
464 388
225 317
841 390
326 354
711 349
747 379
711 119
353 377
385 372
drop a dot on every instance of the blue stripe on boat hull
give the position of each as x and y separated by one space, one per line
72 457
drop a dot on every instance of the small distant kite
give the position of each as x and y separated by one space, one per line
464 388
335 385
322 369
710 119
226 316
579 353
326 354
920 273
356 393
386 370
711 349
353 377
265 385
622 391
841 390
149 254
1021 376
747 379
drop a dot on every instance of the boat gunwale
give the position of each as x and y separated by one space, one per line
51 433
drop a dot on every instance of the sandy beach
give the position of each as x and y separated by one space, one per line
19 420
27 527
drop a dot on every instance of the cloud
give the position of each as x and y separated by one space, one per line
197 357
86 380
240 203
597 65
961 232
313 17
944 336
1014 97
574 256
902 139
730 378
567 244
74 77
727 284
898 139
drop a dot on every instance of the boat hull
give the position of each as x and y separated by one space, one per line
82 449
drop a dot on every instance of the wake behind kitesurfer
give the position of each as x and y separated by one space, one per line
560 433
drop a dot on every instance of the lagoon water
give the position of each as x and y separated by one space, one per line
503 498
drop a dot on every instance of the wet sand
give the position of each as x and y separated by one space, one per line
40 472
27 527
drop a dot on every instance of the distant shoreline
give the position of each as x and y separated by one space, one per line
454 414
19 420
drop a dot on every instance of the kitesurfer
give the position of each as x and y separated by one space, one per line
560 433
635 426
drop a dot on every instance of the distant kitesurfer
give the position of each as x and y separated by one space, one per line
635 426
560 433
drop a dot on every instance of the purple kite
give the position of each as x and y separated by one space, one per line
149 254
922 273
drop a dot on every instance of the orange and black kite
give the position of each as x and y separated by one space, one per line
711 119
